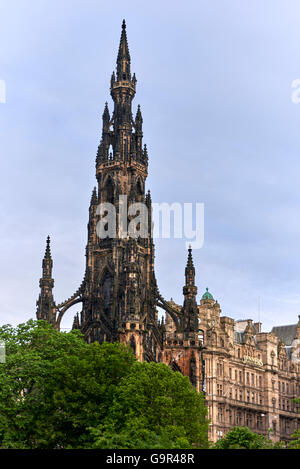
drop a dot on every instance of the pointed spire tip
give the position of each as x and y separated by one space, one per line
48 251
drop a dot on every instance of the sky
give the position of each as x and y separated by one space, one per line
215 88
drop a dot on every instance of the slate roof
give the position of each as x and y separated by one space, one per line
238 337
285 333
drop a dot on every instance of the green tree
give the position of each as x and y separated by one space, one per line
57 391
243 438
158 407
295 443
54 386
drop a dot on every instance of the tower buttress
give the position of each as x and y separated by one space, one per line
190 309
45 303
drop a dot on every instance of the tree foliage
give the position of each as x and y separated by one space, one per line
57 391
154 400
243 438
295 442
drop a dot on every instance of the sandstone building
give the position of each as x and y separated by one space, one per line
249 377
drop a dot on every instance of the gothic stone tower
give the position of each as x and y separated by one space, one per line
46 308
118 293
249 377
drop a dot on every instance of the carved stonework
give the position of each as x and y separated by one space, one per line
246 375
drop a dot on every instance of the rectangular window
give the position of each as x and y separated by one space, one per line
238 418
259 422
287 426
220 414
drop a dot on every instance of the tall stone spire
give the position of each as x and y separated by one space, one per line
119 294
190 270
105 117
190 310
47 261
122 88
45 303
123 60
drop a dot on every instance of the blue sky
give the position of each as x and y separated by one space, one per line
214 84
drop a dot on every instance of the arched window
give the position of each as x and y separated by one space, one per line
109 191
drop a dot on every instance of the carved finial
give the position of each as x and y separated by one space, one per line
105 115
94 200
145 153
148 198
190 258
139 114
48 251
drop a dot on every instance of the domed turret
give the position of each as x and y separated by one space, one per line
207 295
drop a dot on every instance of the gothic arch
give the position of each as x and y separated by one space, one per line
99 326
108 190
65 308
107 268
